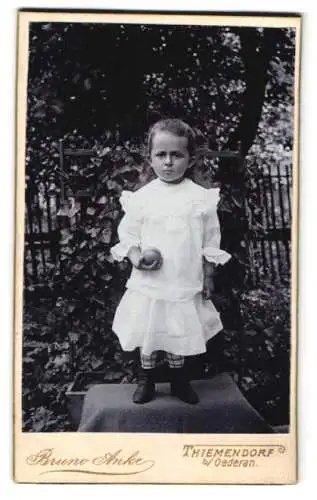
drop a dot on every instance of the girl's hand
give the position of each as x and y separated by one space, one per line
149 267
134 256
208 284
208 287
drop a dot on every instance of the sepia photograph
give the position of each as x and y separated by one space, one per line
159 249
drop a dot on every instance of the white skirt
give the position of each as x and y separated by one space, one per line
181 328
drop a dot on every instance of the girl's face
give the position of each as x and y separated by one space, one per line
169 156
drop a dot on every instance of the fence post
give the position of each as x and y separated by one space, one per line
61 166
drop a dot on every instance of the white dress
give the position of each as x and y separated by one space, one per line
164 309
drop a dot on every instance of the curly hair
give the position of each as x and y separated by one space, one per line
174 126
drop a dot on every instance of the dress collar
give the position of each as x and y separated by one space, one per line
170 185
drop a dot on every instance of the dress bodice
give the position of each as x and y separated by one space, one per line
181 221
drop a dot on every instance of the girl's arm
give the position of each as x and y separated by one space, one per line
129 232
211 232
213 255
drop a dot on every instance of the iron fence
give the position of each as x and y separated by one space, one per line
270 250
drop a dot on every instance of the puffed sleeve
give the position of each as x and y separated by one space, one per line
129 227
211 228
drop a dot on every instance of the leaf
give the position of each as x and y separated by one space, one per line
137 156
93 232
106 235
28 359
104 151
60 360
57 106
67 235
225 206
73 337
112 185
96 364
69 209
126 170
269 332
39 425
87 83
77 268
106 277
252 333
102 200
76 78
46 27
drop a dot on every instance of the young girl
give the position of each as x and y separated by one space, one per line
170 233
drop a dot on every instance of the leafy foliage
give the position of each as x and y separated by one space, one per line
78 93
265 371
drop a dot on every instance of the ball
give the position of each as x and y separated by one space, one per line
151 255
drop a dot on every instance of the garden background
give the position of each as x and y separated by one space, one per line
93 91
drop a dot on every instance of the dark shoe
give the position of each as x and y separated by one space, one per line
146 388
181 388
